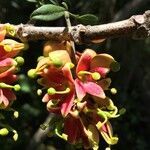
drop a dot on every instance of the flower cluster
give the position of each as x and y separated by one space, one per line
9 65
77 94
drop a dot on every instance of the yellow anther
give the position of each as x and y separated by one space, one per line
4 131
96 76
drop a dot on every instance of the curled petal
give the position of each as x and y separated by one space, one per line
102 60
107 133
3 99
6 97
85 60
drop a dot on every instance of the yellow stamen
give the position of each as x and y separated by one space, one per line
7 86
94 75
52 91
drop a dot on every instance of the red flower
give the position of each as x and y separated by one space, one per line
56 77
90 68
8 65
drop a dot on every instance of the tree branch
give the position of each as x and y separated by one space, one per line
137 27
39 135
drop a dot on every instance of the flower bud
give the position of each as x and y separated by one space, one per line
16 114
15 136
113 91
19 60
115 66
39 92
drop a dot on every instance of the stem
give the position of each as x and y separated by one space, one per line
73 51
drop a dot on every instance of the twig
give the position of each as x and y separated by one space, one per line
39 135
137 27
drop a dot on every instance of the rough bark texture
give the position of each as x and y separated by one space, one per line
137 27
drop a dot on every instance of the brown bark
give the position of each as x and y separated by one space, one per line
137 27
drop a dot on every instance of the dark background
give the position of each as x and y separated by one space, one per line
132 81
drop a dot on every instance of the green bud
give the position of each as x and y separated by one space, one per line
115 66
16 114
55 60
4 131
122 111
15 136
113 91
39 92
19 60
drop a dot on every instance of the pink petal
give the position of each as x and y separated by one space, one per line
6 96
79 89
3 99
67 73
6 62
67 104
94 89
85 60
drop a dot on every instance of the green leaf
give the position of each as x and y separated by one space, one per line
87 19
32 1
48 12
55 2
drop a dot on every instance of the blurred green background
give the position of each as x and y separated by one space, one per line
132 81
